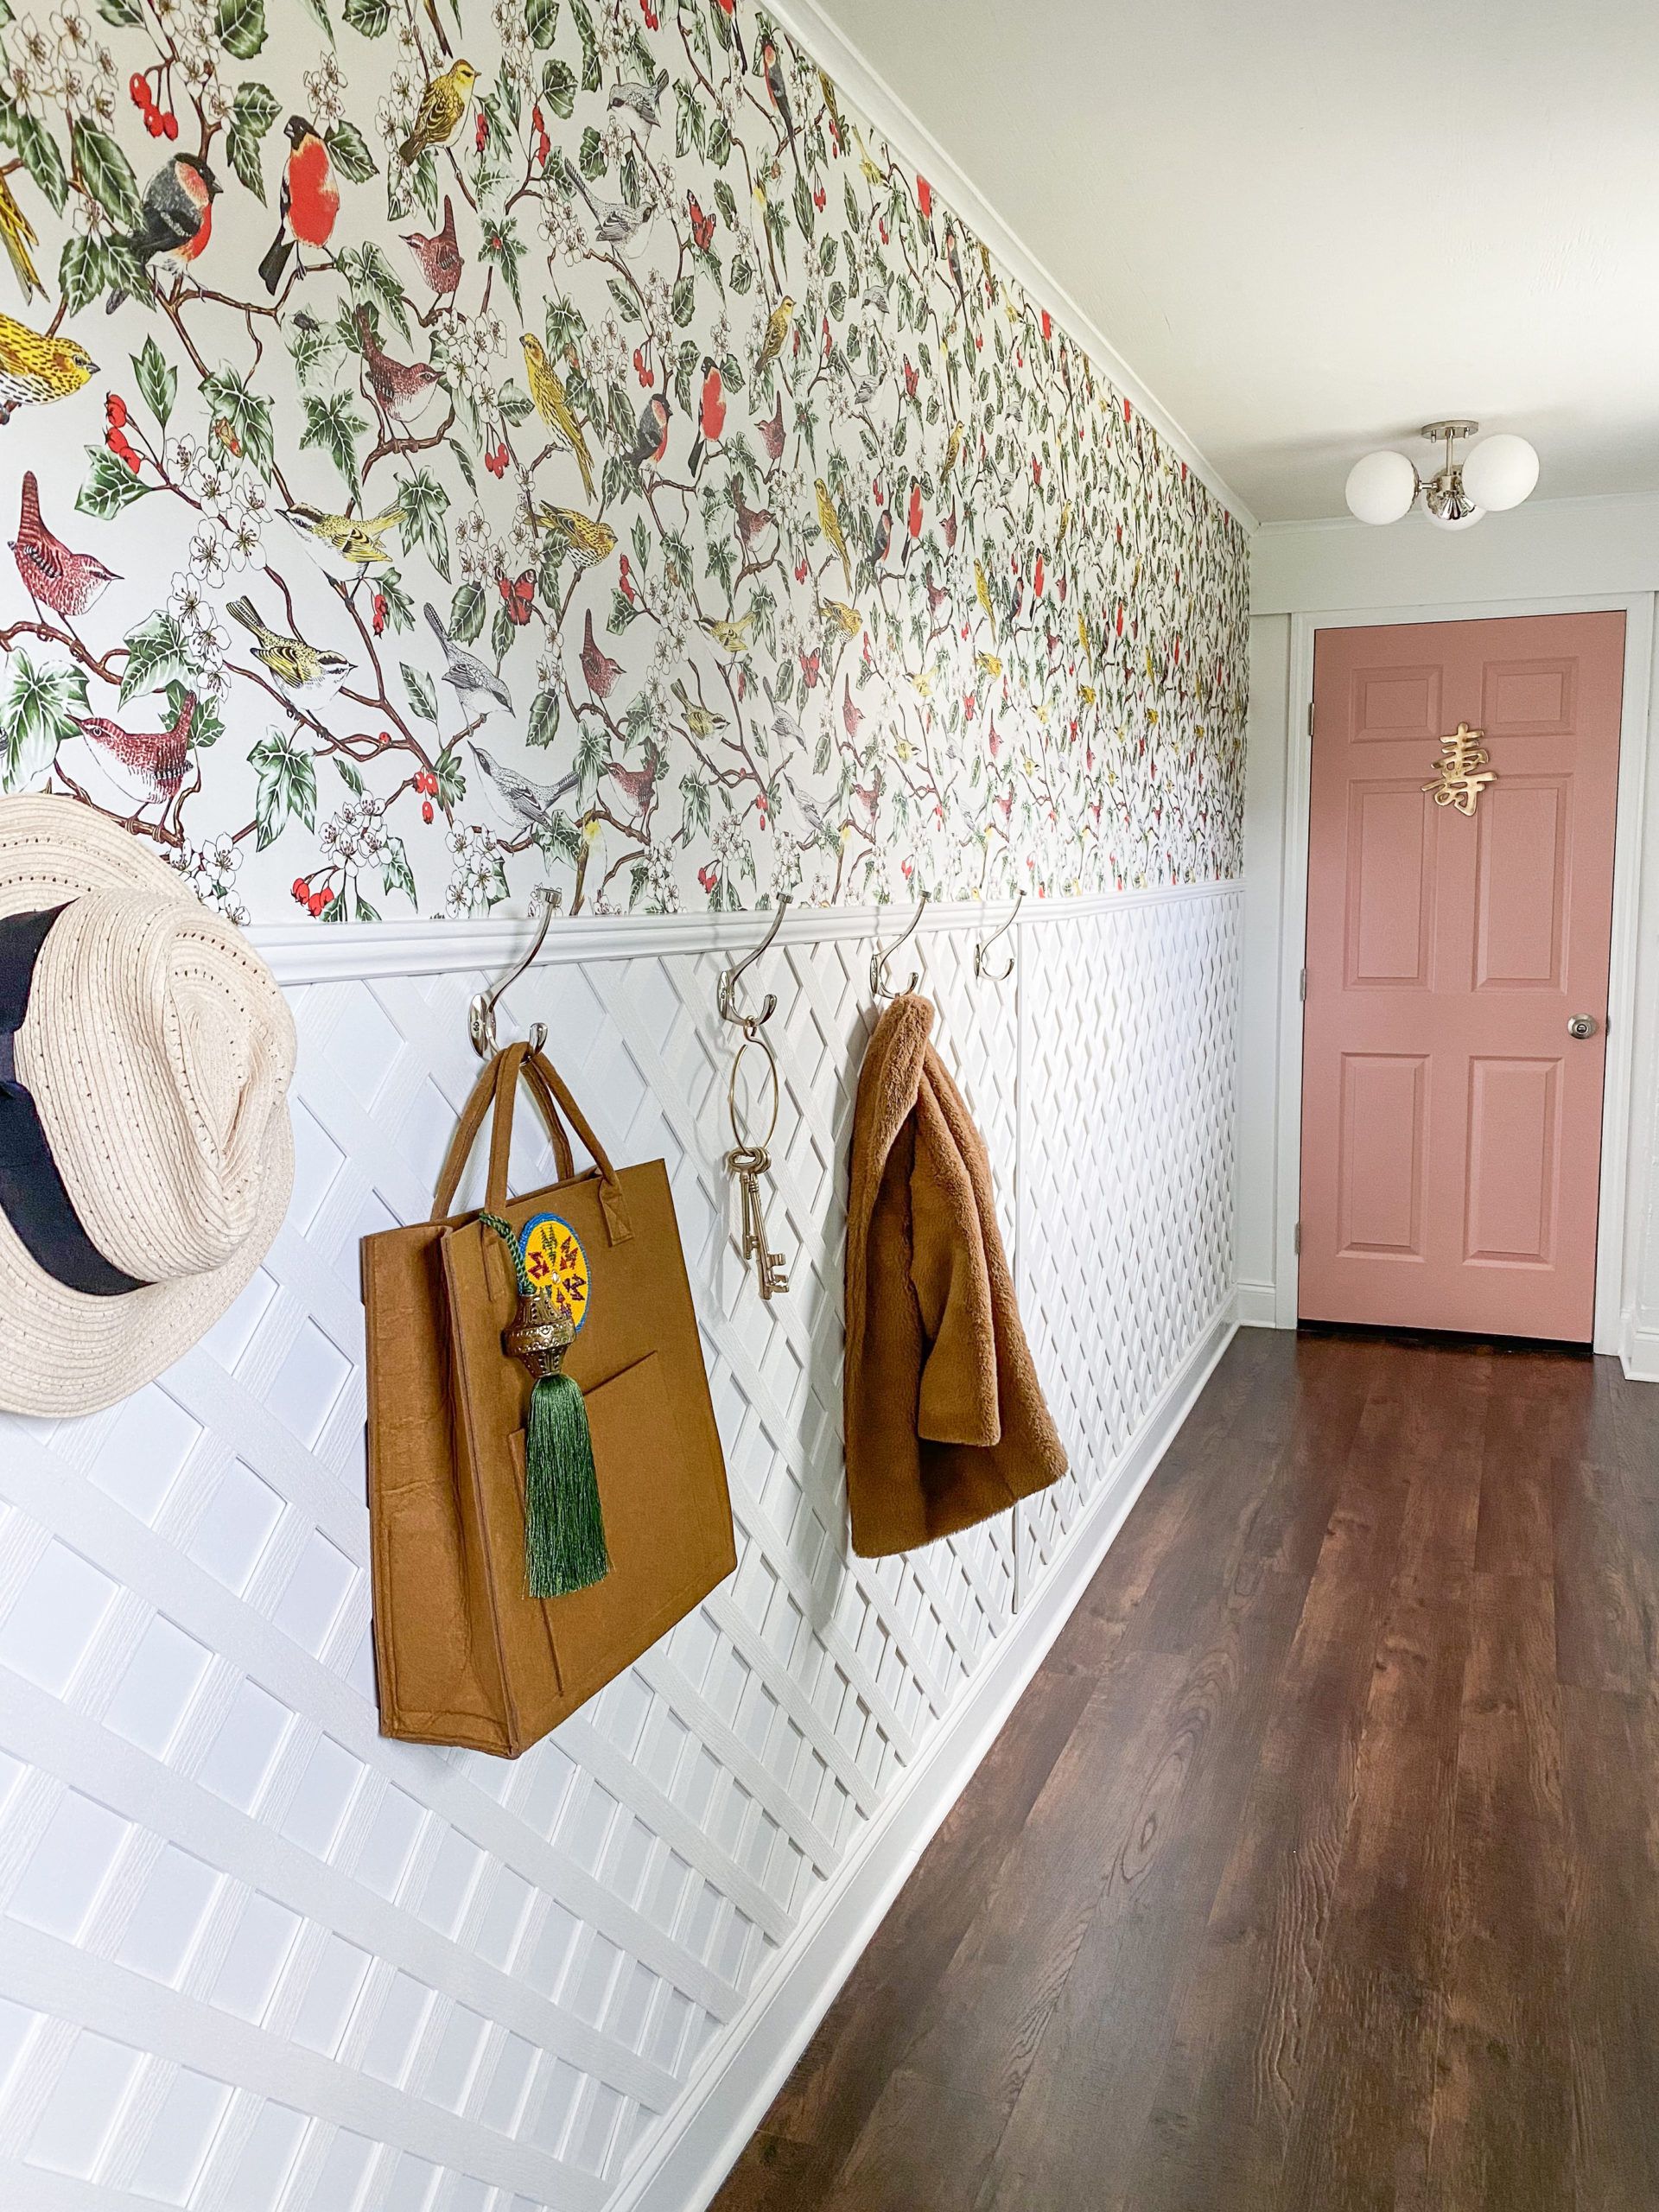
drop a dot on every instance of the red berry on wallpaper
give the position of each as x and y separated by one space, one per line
426 810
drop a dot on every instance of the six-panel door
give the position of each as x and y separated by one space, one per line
1450 1124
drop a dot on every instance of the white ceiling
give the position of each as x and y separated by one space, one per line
1310 229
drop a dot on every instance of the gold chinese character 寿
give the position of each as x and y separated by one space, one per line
1462 772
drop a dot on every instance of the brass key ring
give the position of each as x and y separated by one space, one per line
741 1138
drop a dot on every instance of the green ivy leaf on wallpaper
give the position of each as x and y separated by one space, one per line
252 112
39 151
559 89
124 14
370 17
542 21
157 379
288 785
107 172
83 272
467 614
544 724
41 704
335 425
422 697
110 485
240 25
452 784
349 150
156 654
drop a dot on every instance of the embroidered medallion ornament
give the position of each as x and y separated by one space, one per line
1463 773
551 1257
564 1524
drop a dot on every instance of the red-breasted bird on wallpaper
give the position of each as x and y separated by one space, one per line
438 256
148 767
883 545
912 521
53 576
777 93
751 521
307 205
600 671
638 785
711 416
176 218
651 439
729 9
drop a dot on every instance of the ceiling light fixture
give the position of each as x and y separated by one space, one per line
1498 472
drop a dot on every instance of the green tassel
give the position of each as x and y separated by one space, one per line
564 1524
564 1521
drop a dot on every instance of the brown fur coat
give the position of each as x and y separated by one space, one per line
944 1416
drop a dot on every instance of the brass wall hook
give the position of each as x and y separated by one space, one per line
880 956
998 974
726 995
481 1014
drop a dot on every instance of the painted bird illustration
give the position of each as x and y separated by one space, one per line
53 576
304 671
701 721
728 10
518 801
553 405
586 540
952 453
830 522
600 671
913 520
17 235
642 98
883 542
148 767
771 431
615 222
731 636
826 85
175 220
847 620
343 545
638 785
307 206
982 593
35 367
443 105
438 256
852 717
473 680
711 416
777 330
403 389
753 523
778 93
651 438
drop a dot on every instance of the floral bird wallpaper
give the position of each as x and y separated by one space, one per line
453 451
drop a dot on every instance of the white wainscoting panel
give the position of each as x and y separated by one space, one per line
254 1958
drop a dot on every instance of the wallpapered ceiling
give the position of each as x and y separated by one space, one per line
567 445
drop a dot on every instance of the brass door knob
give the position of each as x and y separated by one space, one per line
1581 1026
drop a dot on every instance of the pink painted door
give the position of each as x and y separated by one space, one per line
1451 1123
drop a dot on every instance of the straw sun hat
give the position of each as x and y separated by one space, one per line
146 1158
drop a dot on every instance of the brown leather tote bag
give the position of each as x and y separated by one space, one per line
464 1654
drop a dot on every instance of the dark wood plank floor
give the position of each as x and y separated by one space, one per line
1317 1869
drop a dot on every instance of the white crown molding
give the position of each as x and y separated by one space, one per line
864 85
313 952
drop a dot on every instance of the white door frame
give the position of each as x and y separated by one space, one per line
1628 1054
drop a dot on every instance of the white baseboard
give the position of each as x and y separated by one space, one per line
749 2061
1256 1306
1638 1354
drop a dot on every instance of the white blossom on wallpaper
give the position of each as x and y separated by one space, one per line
455 452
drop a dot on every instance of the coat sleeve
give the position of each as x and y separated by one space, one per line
958 1401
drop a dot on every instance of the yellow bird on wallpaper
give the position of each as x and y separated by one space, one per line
952 452
36 367
777 330
17 235
586 539
553 405
829 522
847 620
438 117
982 588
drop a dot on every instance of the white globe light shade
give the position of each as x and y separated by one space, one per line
1457 521
1381 487
1500 471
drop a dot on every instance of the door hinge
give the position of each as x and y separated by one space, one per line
1301 987
1296 1239
1310 718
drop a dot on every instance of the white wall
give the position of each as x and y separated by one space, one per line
257 1958
1549 555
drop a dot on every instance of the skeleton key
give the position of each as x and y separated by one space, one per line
749 1163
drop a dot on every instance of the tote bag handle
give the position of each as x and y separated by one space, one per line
499 1081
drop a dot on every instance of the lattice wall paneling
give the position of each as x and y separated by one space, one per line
255 1959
